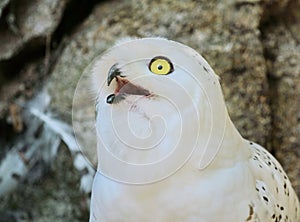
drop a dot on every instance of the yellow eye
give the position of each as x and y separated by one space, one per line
161 65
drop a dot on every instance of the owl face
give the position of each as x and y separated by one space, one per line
148 69
159 65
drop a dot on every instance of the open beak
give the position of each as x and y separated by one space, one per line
124 86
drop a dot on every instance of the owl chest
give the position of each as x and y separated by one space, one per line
186 199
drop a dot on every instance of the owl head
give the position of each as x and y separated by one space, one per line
158 101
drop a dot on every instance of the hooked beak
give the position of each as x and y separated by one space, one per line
124 86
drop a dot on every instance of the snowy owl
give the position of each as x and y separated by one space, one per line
167 149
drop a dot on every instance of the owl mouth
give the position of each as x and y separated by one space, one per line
124 87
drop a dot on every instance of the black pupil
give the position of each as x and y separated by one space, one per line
159 67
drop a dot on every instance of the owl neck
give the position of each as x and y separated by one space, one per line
233 148
220 143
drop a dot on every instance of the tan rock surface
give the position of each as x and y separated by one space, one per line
252 45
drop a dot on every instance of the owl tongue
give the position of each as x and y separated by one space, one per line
126 87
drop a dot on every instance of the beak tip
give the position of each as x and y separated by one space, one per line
110 99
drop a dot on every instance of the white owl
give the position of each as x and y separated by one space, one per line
167 149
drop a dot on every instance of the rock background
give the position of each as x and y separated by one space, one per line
254 46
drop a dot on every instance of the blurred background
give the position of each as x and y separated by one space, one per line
45 45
